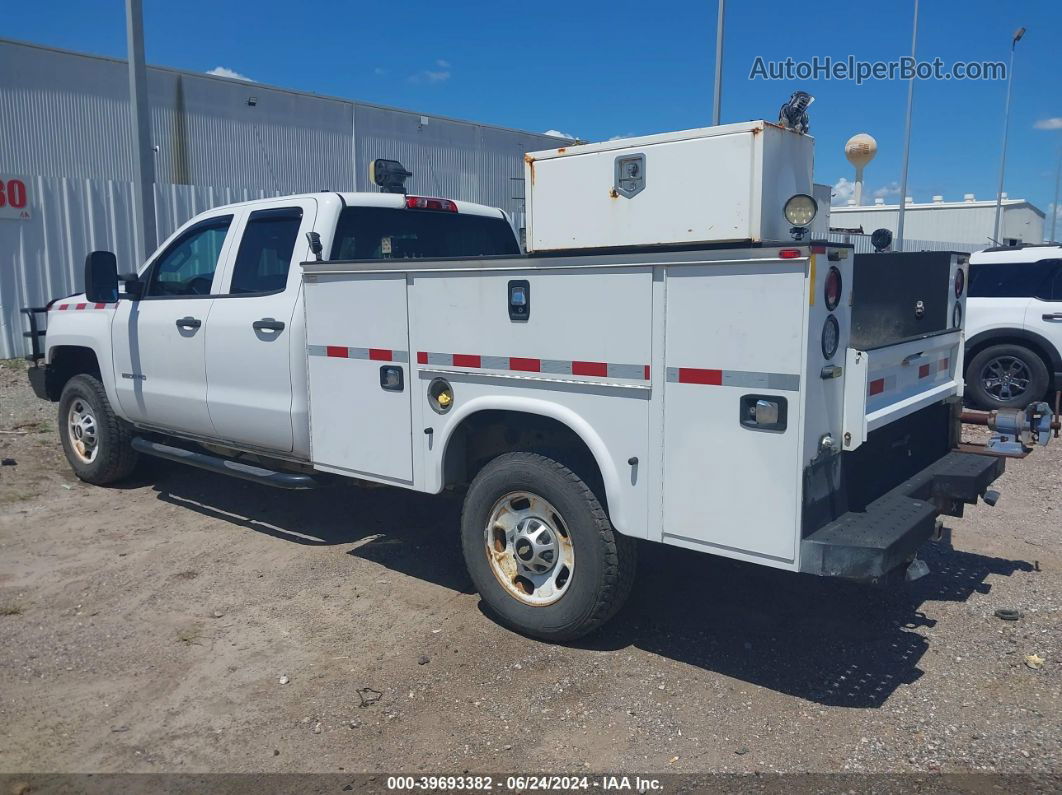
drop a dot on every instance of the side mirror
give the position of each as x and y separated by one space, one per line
101 277
134 288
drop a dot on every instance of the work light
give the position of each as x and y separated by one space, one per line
800 209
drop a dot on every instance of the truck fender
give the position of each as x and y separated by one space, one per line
101 348
617 503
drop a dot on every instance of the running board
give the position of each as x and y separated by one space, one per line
224 466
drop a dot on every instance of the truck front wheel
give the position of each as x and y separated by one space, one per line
540 549
96 441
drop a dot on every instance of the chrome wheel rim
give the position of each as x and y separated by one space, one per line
82 430
529 548
1006 378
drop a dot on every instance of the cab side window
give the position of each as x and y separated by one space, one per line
187 266
264 257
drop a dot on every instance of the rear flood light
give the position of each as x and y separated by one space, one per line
430 203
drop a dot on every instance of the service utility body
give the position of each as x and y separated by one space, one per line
678 358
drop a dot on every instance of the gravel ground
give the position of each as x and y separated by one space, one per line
191 623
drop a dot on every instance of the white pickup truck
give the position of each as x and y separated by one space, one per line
674 361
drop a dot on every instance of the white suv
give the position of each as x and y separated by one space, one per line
1014 326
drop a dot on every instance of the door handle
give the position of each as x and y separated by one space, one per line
268 324
1055 316
189 322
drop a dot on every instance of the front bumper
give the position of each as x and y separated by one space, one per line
868 545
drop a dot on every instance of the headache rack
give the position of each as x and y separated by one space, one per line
35 334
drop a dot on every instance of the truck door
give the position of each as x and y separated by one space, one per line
1043 315
254 329
157 341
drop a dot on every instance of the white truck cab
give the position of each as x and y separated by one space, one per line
667 363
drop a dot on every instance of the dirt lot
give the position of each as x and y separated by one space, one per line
149 628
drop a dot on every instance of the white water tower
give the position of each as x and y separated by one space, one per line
860 150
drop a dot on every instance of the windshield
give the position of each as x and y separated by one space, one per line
385 233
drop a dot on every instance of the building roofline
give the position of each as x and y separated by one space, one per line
860 208
270 87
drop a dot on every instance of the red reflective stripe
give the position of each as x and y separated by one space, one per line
646 376
693 375
65 306
100 306
336 351
466 360
589 368
877 386
525 365
422 357
80 306
379 354
818 249
923 371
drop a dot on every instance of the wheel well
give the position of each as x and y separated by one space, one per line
1011 339
66 362
488 434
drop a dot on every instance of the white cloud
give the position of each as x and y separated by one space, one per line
430 76
379 70
559 134
224 71
843 190
443 63
1054 123
892 189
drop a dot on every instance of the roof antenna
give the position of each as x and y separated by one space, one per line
390 175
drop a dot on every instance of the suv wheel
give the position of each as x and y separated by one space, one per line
1006 376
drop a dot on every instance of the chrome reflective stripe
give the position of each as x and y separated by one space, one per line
345 352
745 379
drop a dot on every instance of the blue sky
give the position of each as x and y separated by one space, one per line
601 69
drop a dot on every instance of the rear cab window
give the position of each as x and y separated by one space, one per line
386 233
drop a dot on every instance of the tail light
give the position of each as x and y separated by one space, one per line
960 282
789 253
833 289
430 203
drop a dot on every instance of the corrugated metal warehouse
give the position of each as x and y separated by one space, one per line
968 222
67 138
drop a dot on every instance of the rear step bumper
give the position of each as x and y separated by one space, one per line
868 545
224 466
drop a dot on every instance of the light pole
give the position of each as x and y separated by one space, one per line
718 102
1054 207
907 136
1006 124
140 111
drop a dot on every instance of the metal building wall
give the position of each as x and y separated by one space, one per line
66 133
969 223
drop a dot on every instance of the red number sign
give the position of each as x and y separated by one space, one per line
13 198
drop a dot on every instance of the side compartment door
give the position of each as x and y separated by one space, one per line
157 341
357 343
254 330
733 336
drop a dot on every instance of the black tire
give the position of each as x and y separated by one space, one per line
604 560
1028 364
115 459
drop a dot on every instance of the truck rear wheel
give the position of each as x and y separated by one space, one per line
95 440
540 549
1006 376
